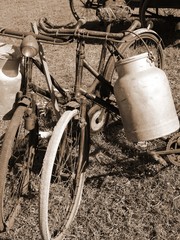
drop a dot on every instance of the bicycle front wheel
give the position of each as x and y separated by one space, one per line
63 175
17 154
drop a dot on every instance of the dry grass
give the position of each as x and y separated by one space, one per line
127 195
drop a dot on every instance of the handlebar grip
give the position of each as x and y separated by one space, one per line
136 24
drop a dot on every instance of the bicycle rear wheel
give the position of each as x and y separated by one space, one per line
17 155
140 41
63 175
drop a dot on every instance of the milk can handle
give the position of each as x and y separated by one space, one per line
150 54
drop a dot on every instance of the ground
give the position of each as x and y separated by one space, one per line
127 195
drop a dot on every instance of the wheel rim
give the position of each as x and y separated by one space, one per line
17 156
16 177
66 185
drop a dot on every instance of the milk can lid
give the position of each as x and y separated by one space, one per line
132 58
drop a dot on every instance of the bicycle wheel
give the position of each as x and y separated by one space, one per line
158 11
85 9
142 11
17 154
133 44
63 175
173 144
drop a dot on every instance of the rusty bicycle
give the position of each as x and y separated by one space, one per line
66 158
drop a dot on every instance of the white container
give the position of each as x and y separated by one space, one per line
10 77
144 99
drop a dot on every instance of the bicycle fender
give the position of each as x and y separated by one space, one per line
145 30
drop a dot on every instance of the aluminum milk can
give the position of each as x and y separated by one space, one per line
10 76
144 99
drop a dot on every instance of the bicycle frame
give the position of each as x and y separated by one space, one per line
89 94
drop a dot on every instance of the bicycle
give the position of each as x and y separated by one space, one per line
20 143
66 158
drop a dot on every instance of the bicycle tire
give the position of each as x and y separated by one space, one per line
85 9
128 48
146 12
142 12
16 153
55 193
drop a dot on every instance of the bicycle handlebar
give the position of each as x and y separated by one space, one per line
54 35
20 35
46 28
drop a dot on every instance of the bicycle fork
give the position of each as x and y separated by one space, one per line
84 123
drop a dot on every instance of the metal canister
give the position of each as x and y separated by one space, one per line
144 99
10 76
